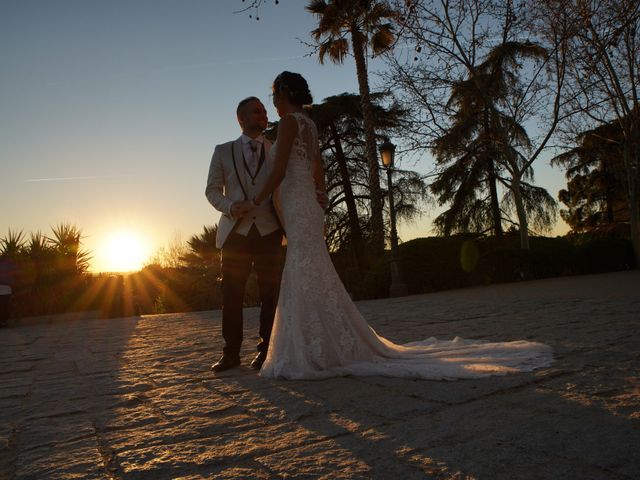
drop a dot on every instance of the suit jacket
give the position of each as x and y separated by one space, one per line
227 184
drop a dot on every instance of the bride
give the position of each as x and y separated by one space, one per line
318 332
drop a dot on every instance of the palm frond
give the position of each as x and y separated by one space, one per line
382 39
336 50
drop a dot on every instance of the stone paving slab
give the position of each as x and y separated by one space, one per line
133 398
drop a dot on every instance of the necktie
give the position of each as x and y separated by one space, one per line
255 155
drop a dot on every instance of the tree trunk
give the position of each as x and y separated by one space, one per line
516 189
608 178
522 213
631 155
377 225
352 211
493 187
634 204
495 203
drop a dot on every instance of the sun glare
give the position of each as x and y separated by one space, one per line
124 252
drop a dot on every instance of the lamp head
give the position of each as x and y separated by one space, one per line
387 152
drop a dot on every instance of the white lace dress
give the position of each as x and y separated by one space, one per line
318 332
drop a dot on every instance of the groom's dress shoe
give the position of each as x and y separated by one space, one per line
259 360
225 363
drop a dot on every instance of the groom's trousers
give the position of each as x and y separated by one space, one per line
239 254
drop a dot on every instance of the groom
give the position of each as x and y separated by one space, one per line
248 236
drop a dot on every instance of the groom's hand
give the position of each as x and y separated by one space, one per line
240 209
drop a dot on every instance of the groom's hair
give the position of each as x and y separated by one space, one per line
244 102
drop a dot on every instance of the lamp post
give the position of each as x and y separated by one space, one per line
398 288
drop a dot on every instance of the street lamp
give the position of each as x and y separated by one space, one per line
398 288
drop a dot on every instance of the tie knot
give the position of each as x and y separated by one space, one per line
255 145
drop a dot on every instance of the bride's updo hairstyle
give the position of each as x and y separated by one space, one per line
294 86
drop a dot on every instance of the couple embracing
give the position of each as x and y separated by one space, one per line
309 326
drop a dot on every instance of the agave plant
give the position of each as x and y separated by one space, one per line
66 245
40 255
38 245
13 244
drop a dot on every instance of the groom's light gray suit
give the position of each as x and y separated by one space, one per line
230 182
250 241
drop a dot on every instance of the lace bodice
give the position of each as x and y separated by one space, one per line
298 188
300 209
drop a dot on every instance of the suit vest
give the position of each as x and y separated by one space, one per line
263 216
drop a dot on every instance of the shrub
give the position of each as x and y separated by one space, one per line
435 263
603 254
377 280
440 263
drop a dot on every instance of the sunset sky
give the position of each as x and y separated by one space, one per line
110 111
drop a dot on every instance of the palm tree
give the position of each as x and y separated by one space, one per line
327 116
340 125
201 271
497 82
202 250
482 145
467 150
367 24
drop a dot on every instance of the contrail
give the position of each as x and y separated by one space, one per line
67 179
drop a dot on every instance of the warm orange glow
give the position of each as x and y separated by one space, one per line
123 251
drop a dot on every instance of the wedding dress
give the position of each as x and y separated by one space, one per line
318 331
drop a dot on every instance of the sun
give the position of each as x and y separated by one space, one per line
124 251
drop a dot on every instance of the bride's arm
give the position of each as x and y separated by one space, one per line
319 180
287 130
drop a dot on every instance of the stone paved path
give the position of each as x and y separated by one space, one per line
133 398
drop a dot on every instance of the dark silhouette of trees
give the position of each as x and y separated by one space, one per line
340 126
604 74
362 27
596 196
337 120
50 273
468 152
479 75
